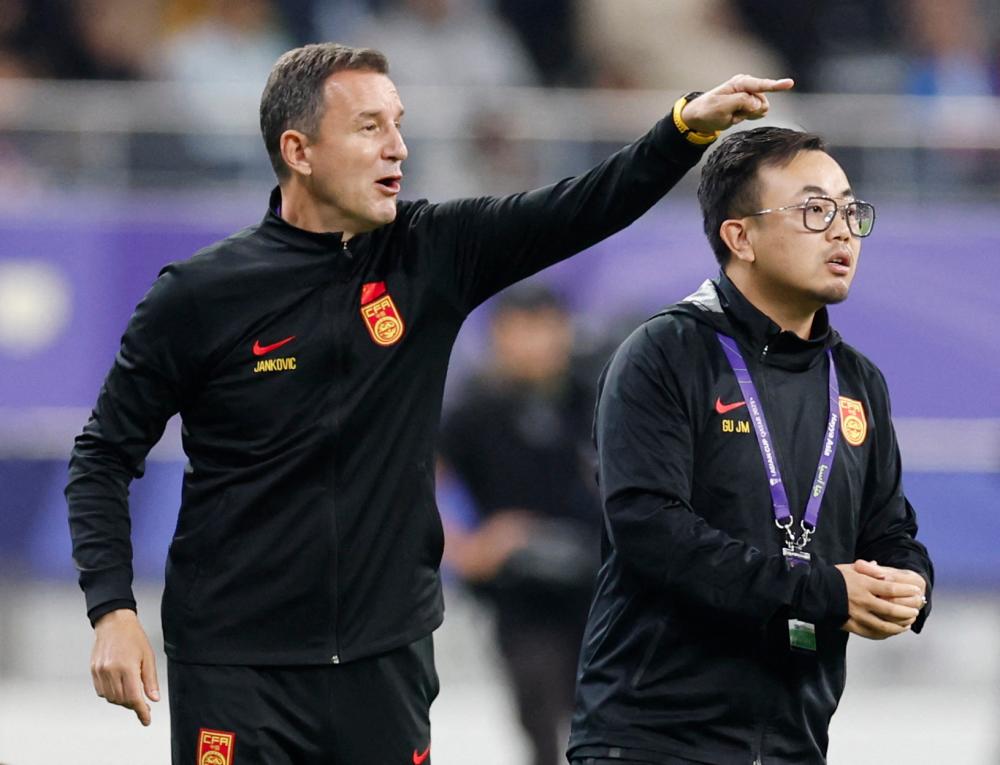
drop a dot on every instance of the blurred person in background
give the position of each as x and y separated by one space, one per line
222 41
460 45
519 441
64 40
949 48
547 30
306 356
652 44
752 490
75 39
313 20
212 47
846 46
948 53
432 36
24 28
118 36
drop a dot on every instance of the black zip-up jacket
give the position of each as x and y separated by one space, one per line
686 655
309 375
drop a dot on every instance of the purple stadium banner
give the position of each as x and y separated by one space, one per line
927 279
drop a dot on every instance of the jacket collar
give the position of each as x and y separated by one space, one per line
757 331
276 227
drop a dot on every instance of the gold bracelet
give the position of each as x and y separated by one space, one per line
693 136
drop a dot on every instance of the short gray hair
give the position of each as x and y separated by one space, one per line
293 96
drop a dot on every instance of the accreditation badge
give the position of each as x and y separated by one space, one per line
801 635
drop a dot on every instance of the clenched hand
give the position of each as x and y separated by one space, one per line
890 574
876 606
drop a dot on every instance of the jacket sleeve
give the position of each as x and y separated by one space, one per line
888 523
481 245
646 451
144 388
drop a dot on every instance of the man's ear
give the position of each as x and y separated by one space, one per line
295 151
735 235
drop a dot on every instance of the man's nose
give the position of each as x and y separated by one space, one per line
396 147
839 228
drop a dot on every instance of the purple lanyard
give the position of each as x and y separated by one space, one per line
779 499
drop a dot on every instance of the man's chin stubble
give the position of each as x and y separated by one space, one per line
832 296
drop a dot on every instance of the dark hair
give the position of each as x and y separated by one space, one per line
293 96
728 187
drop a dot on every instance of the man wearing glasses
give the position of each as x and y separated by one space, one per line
754 512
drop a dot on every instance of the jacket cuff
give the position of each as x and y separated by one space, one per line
674 146
822 597
105 587
106 608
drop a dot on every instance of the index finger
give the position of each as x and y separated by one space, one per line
751 84
133 697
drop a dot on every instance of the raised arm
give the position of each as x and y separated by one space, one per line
484 244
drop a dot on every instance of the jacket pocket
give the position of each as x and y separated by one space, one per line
207 546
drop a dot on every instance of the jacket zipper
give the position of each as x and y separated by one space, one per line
763 712
335 658
758 736
758 744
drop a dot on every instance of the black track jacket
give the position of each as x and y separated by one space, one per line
686 655
309 376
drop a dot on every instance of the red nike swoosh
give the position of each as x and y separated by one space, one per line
723 408
418 759
260 350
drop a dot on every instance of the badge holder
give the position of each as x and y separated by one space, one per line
801 635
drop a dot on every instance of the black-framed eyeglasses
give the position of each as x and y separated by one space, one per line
818 213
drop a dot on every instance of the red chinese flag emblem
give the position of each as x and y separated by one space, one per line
215 747
385 325
853 424
371 290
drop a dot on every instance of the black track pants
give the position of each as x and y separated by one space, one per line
374 711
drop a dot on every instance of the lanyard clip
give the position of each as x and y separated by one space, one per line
785 524
790 541
807 532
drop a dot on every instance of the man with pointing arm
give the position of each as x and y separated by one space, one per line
307 357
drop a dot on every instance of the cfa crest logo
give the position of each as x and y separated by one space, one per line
384 322
215 747
853 424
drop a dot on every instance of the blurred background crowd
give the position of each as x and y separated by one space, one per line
218 52
859 46
129 138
